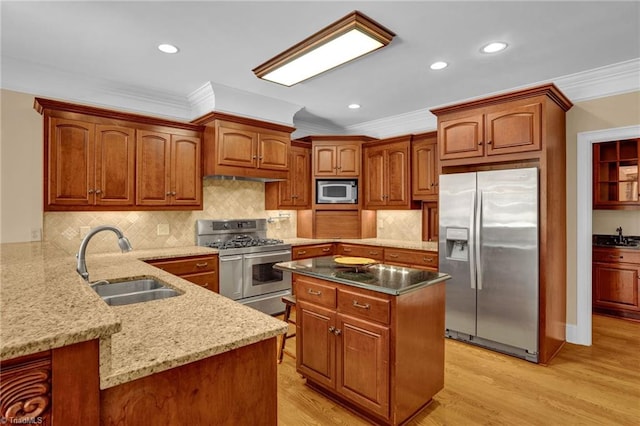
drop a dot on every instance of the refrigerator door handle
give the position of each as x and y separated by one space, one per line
472 243
476 240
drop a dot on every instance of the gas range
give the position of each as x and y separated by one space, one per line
246 258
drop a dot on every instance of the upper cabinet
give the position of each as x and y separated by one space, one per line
98 159
295 191
337 156
387 174
503 128
424 166
238 146
616 182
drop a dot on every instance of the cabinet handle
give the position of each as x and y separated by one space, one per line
337 332
614 256
395 256
332 329
326 249
358 305
315 293
205 285
373 253
201 265
427 259
302 252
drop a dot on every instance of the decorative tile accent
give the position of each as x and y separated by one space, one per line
400 225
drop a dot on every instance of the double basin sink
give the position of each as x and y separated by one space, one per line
127 292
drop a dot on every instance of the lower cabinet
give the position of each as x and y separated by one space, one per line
616 282
371 252
314 250
380 354
412 258
200 270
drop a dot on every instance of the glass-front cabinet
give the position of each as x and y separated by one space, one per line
615 175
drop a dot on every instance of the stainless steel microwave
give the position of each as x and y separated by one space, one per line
337 191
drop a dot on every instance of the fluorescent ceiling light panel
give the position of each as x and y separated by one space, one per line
347 39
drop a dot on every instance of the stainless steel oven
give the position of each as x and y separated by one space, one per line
246 262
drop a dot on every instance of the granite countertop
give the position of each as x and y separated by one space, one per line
380 242
613 241
46 304
378 277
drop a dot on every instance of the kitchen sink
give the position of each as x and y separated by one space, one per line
615 241
145 289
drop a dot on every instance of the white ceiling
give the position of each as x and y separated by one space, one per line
222 42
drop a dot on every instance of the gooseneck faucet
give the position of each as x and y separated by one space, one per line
123 242
620 237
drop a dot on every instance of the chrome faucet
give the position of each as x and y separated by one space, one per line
620 237
123 242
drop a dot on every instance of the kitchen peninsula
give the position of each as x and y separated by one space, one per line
370 336
183 360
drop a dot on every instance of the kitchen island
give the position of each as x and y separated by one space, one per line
371 337
183 360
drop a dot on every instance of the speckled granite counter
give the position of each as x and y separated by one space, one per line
46 304
380 242
378 277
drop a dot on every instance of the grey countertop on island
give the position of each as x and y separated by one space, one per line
378 277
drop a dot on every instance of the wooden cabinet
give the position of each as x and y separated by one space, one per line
499 130
412 258
295 191
430 222
616 181
168 169
524 128
424 166
97 159
336 160
616 282
200 270
372 252
244 147
379 354
387 179
89 164
314 250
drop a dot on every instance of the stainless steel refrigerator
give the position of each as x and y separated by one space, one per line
489 245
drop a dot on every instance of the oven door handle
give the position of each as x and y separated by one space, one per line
266 254
229 258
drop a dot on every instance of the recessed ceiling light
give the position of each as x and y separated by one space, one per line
167 48
494 47
354 106
438 65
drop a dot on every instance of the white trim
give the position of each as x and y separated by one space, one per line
581 332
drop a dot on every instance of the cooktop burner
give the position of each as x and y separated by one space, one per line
243 241
237 236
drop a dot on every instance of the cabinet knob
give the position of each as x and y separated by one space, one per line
480 143
337 332
173 193
433 184
253 157
98 191
489 142
91 191
332 329
168 193
260 158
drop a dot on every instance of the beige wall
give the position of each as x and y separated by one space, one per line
597 114
20 167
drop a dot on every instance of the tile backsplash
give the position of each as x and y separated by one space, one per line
222 199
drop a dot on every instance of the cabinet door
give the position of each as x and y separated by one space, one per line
237 147
186 174
301 176
348 160
153 166
115 165
375 184
397 175
324 160
514 130
424 170
273 152
461 138
315 344
362 363
615 286
616 180
70 162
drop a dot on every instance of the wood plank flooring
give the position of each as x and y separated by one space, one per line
583 385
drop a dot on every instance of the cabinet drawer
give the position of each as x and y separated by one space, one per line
613 255
208 280
304 252
417 258
315 292
360 305
372 252
189 265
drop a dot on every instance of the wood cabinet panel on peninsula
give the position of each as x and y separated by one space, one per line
99 159
524 128
244 147
379 354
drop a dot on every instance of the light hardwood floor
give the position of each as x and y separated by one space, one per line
583 385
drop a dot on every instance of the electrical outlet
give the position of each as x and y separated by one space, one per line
36 234
163 229
84 230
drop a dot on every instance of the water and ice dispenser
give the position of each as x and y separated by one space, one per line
457 244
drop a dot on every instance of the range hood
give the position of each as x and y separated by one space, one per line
245 178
